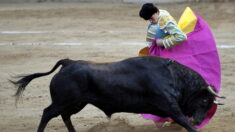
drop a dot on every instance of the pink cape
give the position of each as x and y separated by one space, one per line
199 53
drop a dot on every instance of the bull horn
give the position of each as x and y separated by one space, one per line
214 93
218 103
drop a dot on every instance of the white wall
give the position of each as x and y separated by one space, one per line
154 1
128 1
38 1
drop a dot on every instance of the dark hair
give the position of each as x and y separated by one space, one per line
147 10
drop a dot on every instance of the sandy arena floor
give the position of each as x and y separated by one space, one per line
103 33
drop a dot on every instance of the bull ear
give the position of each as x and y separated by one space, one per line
212 91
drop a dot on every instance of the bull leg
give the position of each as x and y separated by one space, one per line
178 116
181 119
68 122
67 114
49 113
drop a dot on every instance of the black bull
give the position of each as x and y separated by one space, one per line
137 85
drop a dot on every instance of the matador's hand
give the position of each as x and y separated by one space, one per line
159 42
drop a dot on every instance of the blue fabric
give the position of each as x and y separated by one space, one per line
160 34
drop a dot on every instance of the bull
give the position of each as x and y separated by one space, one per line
146 84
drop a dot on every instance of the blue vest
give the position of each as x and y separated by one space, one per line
159 34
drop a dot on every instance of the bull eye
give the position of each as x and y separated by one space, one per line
204 100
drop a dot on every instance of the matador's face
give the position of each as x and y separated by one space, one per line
154 18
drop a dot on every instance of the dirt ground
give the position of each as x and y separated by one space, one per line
104 33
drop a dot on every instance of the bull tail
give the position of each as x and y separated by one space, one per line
26 79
